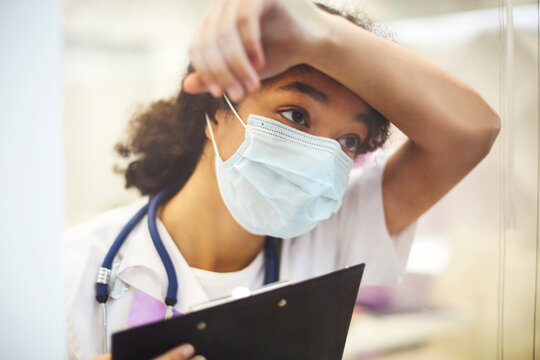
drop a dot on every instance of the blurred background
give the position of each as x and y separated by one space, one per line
470 291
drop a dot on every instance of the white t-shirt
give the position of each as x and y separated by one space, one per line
218 285
356 234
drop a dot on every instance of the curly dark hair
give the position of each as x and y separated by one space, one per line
166 140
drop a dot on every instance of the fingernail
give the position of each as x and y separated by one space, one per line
187 350
252 85
199 357
235 92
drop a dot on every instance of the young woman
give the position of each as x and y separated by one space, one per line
270 170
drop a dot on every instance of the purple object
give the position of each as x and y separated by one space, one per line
375 298
145 310
361 160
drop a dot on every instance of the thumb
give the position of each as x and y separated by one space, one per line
102 357
182 352
194 84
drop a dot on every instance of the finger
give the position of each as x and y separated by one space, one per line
236 58
223 74
103 357
204 73
182 352
236 71
197 47
249 28
215 62
194 84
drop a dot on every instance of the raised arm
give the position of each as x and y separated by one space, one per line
449 126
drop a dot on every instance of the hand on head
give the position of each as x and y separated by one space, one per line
240 41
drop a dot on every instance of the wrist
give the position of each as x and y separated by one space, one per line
325 41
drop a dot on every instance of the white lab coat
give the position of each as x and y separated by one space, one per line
356 233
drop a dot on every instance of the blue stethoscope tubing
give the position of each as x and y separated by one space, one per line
102 284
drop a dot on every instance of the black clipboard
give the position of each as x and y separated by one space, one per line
304 320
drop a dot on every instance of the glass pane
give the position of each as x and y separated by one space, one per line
470 289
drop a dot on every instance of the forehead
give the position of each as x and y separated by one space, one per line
327 89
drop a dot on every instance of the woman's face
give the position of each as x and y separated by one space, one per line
305 99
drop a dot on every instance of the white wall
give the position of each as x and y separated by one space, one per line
31 206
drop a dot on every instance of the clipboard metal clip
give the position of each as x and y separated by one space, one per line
238 295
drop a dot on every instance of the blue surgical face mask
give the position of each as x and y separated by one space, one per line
281 181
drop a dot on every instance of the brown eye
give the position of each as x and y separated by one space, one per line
350 143
295 115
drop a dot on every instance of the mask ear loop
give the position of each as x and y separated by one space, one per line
212 135
210 124
233 109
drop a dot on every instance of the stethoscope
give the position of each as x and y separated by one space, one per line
104 275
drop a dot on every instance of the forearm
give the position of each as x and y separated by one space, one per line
433 108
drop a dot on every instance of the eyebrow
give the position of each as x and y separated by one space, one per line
307 89
366 117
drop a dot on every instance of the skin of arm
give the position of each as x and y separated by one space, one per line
450 128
